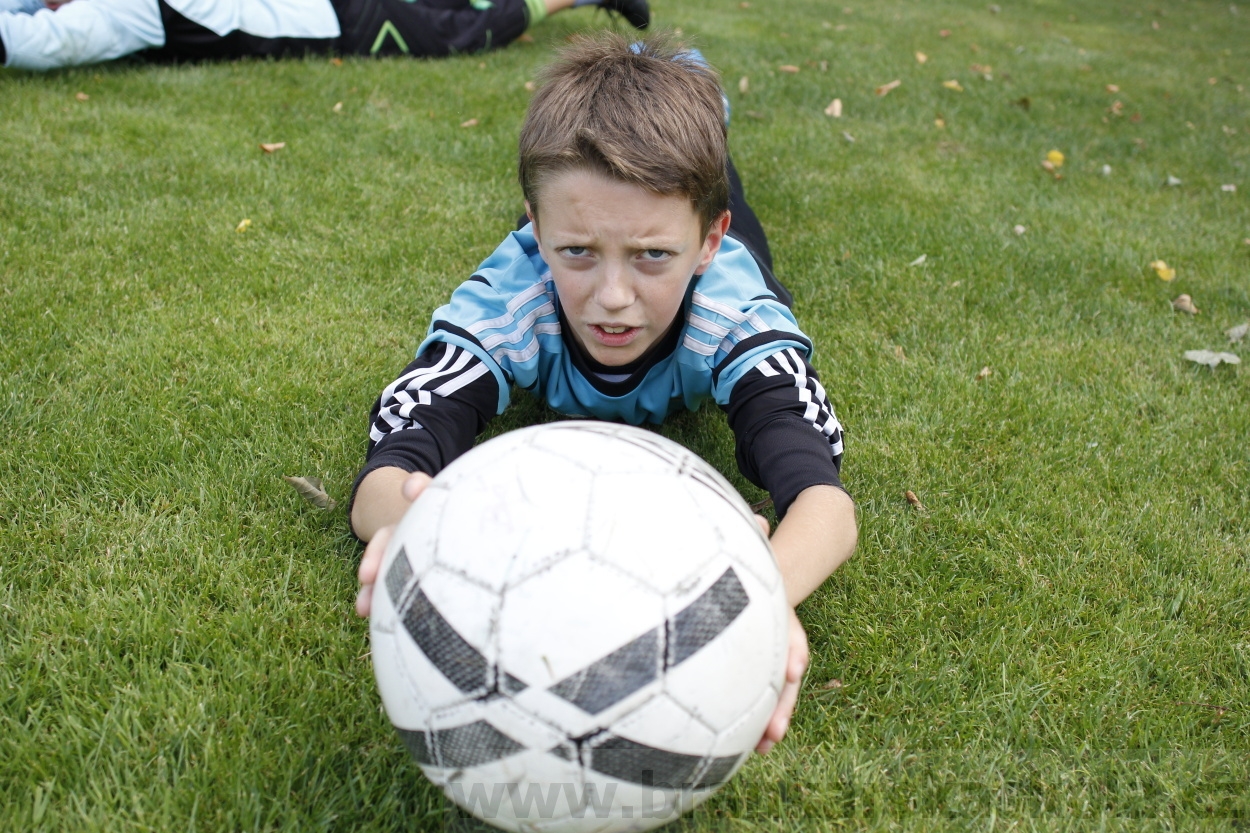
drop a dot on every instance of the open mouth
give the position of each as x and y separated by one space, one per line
614 336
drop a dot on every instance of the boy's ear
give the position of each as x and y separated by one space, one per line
711 243
529 212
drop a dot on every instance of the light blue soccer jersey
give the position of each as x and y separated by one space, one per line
507 315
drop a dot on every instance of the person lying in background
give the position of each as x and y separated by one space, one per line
46 34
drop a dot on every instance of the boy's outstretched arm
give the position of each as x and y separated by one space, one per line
814 538
381 500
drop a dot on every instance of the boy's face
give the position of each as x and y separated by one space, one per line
621 258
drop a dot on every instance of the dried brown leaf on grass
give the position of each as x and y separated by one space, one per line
469 123
834 109
1211 358
243 225
1236 334
983 373
790 68
884 89
1183 303
913 500
81 96
271 147
309 489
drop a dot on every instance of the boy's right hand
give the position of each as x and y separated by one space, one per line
371 561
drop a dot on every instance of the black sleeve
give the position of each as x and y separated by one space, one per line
431 414
787 435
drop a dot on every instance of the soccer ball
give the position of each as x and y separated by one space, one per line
579 627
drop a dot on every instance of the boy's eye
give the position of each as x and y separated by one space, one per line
655 254
575 251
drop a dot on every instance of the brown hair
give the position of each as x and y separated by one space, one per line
641 112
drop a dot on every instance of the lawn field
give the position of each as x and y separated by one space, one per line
1055 634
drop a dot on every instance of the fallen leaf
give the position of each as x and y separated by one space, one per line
1019 229
913 500
983 373
81 96
1049 167
885 88
1228 188
848 137
1236 334
1106 170
1113 88
336 62
995 8
530 86
1229 131
899 353
243 225
834 683
744 84
834 109
338 107
1173 181
1213 81
1183 303
309 489
939 123
525 37
921 58
981 69
918 261
790 68
1116 109
469 123
270 147
744 5
944 33
1023 103
953 85
1164 271
1212 359
1055 158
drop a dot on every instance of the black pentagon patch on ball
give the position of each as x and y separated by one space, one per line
459 747
704 618
616 676
459 661
637 763
398 576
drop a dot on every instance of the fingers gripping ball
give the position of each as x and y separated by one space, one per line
579 627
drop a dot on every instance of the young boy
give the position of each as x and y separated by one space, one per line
641 285
43 34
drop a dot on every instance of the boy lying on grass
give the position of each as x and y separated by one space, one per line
641 285
43 34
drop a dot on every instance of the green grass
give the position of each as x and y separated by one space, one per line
1061 641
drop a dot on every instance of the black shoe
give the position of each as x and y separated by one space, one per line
636 12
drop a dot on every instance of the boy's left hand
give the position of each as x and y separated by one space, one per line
796 665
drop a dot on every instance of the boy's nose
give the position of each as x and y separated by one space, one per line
616 290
